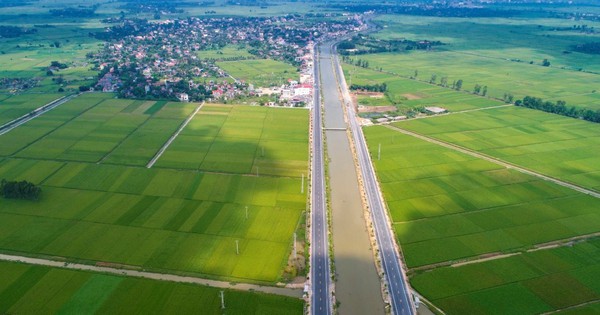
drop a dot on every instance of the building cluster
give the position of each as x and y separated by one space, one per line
294 93
162 59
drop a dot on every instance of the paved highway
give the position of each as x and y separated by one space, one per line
320 276
397 285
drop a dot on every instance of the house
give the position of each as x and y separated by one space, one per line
183 97
436 110
302 89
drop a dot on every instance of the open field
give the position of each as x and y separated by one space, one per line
39 127
104 129
156 219
242 139
561 147
501 61
533 282
162 219
409 93
260 72
448 206
26 289
229 51
15 106
29 56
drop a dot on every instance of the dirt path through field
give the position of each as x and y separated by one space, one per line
291 292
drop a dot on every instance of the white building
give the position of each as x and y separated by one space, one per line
302 89
183 97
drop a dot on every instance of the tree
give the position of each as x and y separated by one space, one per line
433 78
416 74
19 190
546 63
477 89
459 84
484 90
444 81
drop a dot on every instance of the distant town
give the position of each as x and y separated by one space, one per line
163 60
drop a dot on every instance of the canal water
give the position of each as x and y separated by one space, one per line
357 286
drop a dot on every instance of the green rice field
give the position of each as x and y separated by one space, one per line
553 145
229 51
242 139
447 206
409 93
260 72
15 106
506 62
98 204
102 130
26 289
529 283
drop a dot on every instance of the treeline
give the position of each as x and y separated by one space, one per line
14 31
129 27
370 87
588 48
560 108
74 12
371 45
425 9
19 190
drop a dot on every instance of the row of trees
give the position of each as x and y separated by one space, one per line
560 108
19 190
7 31
588 48
480 90
370 87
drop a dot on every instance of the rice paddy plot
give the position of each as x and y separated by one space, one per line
227 52
15 106
113 131
242 139
561 147
160 219
533 282
507 62
27 289
407 93
38 128
260 72
449 206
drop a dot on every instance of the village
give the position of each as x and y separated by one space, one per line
163 60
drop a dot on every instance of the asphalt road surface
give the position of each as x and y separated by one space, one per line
320 276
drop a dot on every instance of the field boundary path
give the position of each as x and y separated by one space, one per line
7 127
496 161
295 293
168 143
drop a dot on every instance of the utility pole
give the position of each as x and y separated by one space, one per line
379 152
237 247
302 187
222 299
